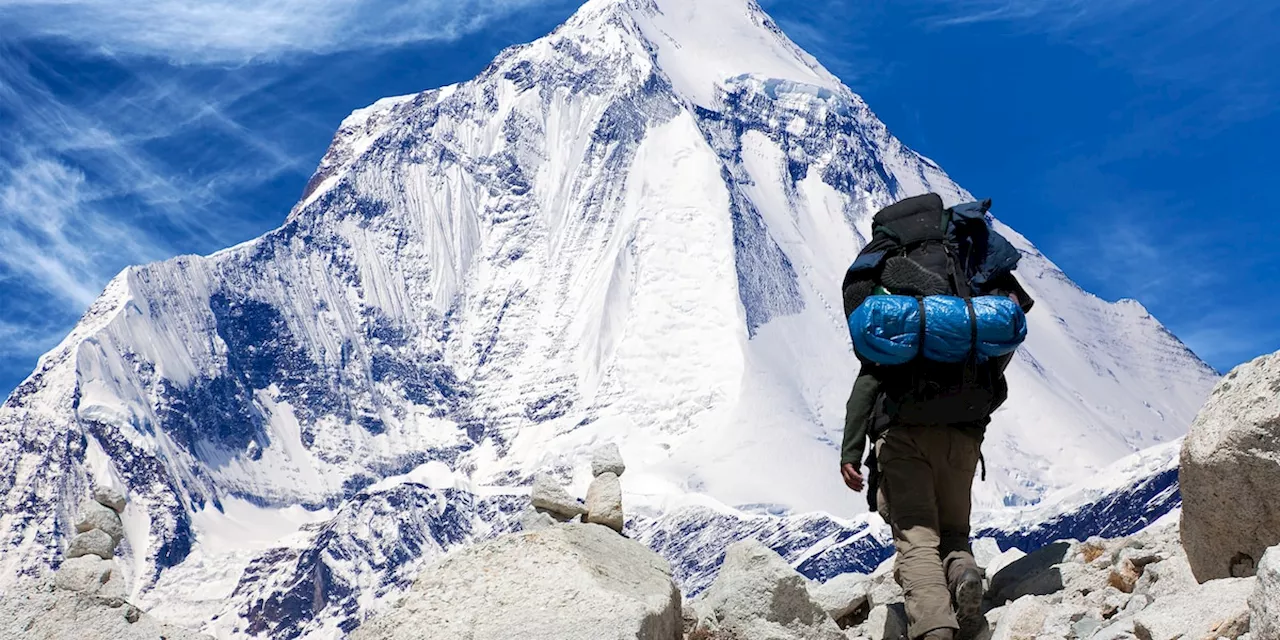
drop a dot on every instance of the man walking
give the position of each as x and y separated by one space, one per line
926 420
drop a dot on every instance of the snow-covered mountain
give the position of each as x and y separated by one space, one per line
631 230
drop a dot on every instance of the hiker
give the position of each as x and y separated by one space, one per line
927 265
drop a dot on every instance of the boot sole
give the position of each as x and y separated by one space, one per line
969 607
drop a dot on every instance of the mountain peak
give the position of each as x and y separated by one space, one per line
700 44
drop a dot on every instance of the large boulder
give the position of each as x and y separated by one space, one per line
85 574
567 582
607 459
45 613
108 497
1230 473
758 595
1264 604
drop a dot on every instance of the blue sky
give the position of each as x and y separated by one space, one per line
1132 140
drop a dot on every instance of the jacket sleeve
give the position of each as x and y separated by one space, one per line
862 401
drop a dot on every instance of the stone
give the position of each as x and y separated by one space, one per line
887 622
1264 602
1035 574
108 497
1116 630
607 459
1136 604
842 597
996 564
569 582
758 595
1085 627
93 541
1228 467
532 519
1218 608
39 613
604 502
548 495
1124 576
116 587
1061 619
84 574
985 550
1022 620
1165 578
102 518
883 589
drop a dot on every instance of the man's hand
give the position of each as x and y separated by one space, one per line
852 478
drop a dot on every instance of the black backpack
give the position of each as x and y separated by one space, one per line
921 248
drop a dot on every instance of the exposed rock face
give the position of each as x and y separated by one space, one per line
1264 604
607 459
567 582
604 501
759 595
47 613
1230 473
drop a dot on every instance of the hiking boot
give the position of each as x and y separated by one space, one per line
967 593
939 634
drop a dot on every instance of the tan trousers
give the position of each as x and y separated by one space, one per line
927 480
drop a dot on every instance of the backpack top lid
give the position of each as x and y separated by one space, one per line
924 218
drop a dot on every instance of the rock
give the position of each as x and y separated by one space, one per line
985 550
882 588
1035 574
548 495
84 574
998 563
604 502
1061 619
1124 576
101 517
1217 608
758 595
532 520
1264 603
569 582
1165 578
1136 604
607 459
1116 630
44 613
842 597
1085 627
1022 620
1228 467
108 497
93 541
116 587
886 622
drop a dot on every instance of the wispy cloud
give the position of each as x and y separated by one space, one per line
1224 50
242 30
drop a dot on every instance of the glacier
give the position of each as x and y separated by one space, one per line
631 230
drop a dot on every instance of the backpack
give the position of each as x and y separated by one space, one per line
919 248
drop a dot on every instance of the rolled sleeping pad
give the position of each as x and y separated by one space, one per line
886 329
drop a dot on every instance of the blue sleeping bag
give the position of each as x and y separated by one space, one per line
886 329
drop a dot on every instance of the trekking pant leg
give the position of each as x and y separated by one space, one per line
908 483
957 460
